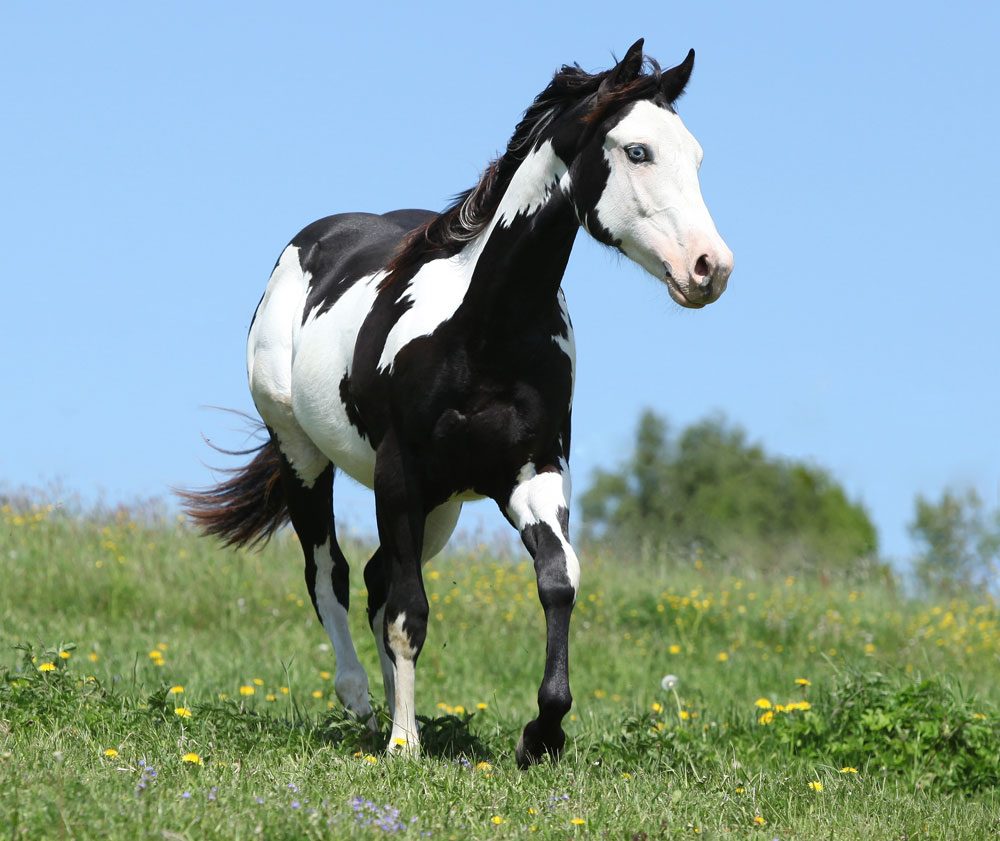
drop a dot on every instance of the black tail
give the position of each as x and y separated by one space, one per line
249 506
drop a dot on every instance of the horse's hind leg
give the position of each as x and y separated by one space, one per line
310 507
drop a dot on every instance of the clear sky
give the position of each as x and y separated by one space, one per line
155 159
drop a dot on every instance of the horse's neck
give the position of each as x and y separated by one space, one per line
524 250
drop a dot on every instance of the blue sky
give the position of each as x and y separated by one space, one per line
156 159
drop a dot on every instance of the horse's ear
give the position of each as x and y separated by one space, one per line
626 70
674 80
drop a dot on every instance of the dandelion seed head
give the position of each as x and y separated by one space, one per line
669 683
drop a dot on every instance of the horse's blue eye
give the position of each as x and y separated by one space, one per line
637 153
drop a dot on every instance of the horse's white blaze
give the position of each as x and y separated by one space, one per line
537 498
323 353
656 209
351 680
269 363
404 737
438 288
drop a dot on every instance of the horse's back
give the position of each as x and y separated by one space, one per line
302 338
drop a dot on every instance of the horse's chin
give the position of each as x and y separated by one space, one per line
678 295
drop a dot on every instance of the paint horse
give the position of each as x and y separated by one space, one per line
430 356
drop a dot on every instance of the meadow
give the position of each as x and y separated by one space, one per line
153 684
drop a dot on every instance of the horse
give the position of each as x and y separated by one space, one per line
431 357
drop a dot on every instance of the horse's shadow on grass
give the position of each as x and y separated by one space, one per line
448 737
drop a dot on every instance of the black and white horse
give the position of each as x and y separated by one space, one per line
430 356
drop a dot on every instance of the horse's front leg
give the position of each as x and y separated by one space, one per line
539 509
400 515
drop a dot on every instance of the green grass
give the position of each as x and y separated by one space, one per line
905 692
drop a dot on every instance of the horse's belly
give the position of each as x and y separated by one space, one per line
323 353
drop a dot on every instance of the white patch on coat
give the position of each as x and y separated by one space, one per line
351 681
269 363
537 498
438 528
323 354
567 344
538 175
404 737
656 209
438 288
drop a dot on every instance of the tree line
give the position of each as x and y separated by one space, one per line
708 487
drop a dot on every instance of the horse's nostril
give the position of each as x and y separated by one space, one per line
703 268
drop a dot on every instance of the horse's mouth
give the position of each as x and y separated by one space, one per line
674 288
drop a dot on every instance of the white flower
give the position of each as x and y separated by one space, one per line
669 683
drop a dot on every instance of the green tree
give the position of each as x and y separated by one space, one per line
710 487
959 542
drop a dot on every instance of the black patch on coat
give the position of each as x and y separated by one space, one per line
351 408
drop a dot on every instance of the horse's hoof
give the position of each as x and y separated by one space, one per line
534 745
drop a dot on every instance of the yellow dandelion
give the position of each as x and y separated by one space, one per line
358 754
847 769
223 696
316 693
459 709
155 655
816 785
803 681
532 811
110 753
657 707
766 718
371 760
578 821
47 667
270 697
684 715
257 681
979 716
762 704
481 706
247 690
65 655
93 657
496 820
626 775
162 646
324 675
183 712
869 648
176 690
399 741
284 690
483 766
192 759
674 649
757 819
600 693
722 656
740 789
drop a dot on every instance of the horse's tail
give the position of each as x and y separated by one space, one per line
246 508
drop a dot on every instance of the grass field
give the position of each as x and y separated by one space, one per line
155 685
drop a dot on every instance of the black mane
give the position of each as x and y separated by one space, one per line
471 210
